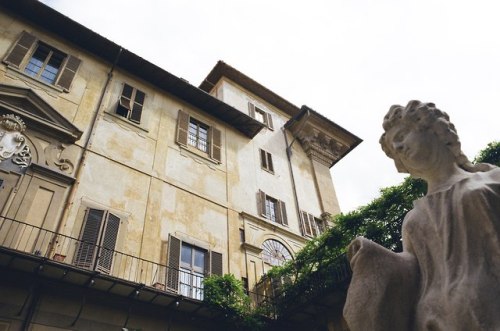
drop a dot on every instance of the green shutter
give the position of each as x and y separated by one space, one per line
20 49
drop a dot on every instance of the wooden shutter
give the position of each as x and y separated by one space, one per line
216 263
261 203
174 256
284 218
307 226
68 72
108 243
263 159
20 49
87 246
270 166
269 121
312 221
182 128
251 109
136 111
215 144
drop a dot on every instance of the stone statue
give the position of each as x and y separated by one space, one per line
448 275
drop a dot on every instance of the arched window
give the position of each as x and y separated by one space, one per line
275 253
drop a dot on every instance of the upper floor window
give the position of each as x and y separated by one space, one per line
312 226
275 253
193 133
260 115
266 161
131 103
271 208
198 135
42 62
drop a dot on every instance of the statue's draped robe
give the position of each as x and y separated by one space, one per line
448 275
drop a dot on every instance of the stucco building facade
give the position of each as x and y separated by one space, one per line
123 186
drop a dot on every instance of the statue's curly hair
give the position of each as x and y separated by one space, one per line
427 116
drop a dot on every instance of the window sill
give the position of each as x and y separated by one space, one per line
124 121
31 80
198 153
268 171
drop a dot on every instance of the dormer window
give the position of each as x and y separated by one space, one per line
260 115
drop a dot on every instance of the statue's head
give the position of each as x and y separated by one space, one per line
425 116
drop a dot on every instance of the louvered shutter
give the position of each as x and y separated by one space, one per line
108 243
182 128
307 226
20 49
215 144
174 255
284 218
251 110
270 121
216 263
87 247
261 203
68 72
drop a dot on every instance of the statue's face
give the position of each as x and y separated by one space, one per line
419 151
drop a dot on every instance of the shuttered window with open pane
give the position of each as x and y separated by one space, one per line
271 208
131 103
96 247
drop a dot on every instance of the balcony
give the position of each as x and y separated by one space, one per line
38 255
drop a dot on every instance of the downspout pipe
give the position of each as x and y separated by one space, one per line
87 144
305 111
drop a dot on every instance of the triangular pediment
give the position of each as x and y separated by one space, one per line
36 113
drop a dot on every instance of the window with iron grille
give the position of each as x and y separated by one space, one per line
271 208
196 135
188 265
42 61
131 103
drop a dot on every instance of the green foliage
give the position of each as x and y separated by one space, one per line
381 221
227 294
491 154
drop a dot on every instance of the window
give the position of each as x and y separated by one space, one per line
198 135
266 161
312 226
192 271
188 265
271 208
42 62
192 133
260 115
97 242
130 103
275 253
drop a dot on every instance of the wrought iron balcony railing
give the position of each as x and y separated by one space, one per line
64 249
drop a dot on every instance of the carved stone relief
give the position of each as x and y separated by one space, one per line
56 156
321 147
13 142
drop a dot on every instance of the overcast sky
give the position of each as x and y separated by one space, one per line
350 60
